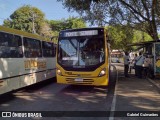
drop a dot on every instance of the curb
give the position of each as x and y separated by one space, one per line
154 83
113 105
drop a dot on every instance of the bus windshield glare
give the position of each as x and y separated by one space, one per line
81 52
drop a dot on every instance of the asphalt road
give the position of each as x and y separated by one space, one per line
50 96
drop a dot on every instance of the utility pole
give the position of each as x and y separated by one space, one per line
33 16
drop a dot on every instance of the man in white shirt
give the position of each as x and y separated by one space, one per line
126 64
139 63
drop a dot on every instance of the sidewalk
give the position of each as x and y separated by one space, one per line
134 94
155 82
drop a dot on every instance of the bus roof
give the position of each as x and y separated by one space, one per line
22 33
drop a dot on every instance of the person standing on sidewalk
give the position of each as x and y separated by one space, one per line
139 63
135 60
126 64
132 61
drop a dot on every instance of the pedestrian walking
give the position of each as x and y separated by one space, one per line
126 64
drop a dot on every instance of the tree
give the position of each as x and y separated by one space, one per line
140 36
70 23
63 24
157 8
26 18
120 36
45 30
142 15
76 22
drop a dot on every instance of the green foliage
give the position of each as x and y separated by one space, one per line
45 30
24 17
7 23
142 15
77 23
69 23
63 24
140 36
80 4
120 36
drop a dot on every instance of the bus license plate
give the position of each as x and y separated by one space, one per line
78 79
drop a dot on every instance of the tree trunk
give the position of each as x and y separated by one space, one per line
154 33
153 22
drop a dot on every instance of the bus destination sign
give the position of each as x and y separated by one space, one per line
81 33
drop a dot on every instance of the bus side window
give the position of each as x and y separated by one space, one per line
26 47
17 42
2 40
5 51
48 49
32 48
9 46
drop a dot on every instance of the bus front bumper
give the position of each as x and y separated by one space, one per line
96 81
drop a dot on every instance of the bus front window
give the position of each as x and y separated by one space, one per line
81 52
68 52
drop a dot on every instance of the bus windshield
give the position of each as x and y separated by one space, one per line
81 52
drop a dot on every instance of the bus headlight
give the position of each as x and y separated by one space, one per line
103 72
59 72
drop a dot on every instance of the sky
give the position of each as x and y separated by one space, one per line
52 9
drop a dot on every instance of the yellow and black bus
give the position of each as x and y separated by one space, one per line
83 57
